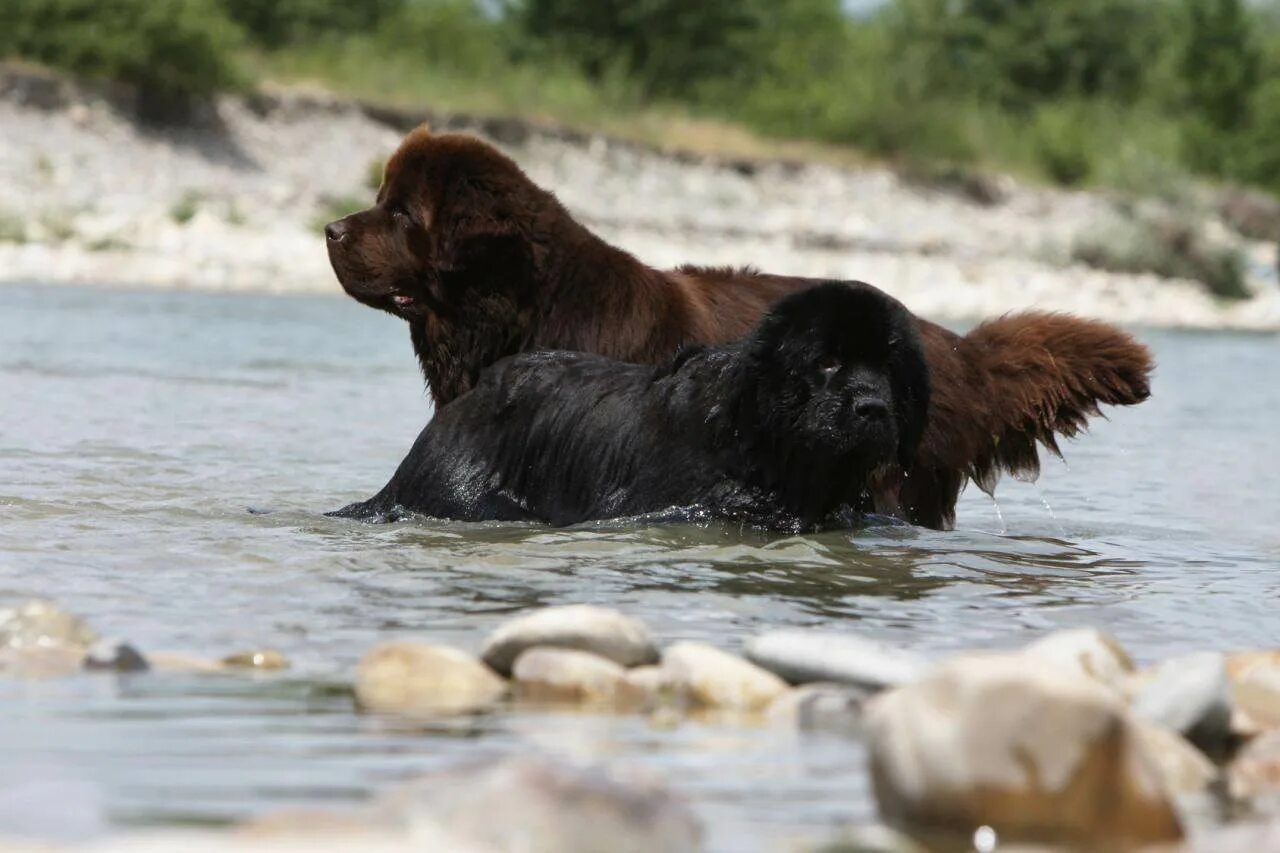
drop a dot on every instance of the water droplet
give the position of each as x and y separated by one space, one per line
985 839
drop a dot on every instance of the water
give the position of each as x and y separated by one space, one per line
136 428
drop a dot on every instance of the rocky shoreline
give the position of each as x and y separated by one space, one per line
234 201
1063 742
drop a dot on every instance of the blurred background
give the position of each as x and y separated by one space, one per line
1164 113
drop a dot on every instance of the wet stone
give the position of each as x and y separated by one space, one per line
598 630
115 656
1041 753
417 678
1255 688
801 657
646 688
264 659
713 679
566 676
828 708
43 624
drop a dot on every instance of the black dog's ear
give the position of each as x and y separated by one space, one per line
909 379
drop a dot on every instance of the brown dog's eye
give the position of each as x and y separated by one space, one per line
401 218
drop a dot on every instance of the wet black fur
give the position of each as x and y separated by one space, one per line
781 429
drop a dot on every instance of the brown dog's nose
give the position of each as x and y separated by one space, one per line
336 232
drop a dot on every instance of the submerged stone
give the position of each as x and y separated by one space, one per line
43 624
115 656
566 676
264 659
713 679
417 678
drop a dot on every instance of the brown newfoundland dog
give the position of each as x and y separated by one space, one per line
482 264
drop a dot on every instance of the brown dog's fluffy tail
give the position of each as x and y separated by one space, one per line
1043 375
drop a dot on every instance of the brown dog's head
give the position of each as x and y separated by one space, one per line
450 228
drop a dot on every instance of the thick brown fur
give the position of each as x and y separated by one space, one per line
483 264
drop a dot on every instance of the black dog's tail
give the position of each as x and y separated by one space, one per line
1043 375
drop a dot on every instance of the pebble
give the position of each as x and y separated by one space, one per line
535 804
43 624
713 679
264 659
599 630
182 662
1037 753
1190 695
829 708
1086 651
566 676
801 657
407 677
115 656
646 688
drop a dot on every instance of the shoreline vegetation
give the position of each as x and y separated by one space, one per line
941 151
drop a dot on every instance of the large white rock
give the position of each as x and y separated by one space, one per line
707 677
1037 753
405 677
802 657
598 630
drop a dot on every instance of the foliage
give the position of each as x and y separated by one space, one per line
274 23
171 49
668 46
1167 245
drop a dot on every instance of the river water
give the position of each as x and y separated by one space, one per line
137 428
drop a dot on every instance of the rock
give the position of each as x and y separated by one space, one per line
538 806
646 688
417 678
546 674
710 678
604 632
1254 775
43 624
115 656
264 659
1254 214
37 662
1191 696
1086 651
1037 753
1255 689
831 708
801 657
182 662
1184 769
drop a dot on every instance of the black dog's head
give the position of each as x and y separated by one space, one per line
836 385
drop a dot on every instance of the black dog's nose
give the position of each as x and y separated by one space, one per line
336 232
871 409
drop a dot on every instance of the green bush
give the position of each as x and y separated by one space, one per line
274 23
172 50
669 46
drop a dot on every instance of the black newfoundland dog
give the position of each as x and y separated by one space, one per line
785 429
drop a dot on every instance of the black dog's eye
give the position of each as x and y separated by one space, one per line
401 218
828 364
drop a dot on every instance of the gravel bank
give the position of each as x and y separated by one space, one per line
234 203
